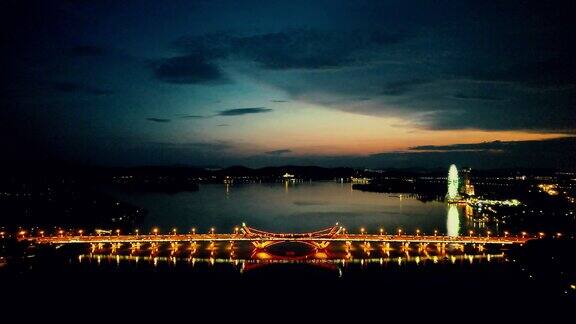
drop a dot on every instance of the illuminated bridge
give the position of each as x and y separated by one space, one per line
262 239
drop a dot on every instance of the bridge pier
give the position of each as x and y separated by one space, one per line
406 246
153 247
173 247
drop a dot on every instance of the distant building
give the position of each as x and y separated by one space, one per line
466 187
363 180
288 177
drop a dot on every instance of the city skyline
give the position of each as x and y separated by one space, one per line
336 83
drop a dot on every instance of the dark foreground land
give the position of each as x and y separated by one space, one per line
532 286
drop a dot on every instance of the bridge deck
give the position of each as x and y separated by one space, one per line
426 239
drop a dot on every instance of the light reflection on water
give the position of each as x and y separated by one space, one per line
453 221
254 263
295 207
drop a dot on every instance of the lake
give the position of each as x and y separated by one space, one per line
294 207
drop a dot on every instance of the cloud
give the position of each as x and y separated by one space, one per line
84 51
399 87
158 120
307 49
189 69
462 96
278 152
279 101
494 146
243 111
191 116
559 152
73 87
215 146
223 125
481 71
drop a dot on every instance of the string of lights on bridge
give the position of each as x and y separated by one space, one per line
22 233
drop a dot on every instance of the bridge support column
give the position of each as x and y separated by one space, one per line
173 247
481 247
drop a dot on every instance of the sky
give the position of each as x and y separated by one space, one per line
374 84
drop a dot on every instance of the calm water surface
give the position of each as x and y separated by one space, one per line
294 208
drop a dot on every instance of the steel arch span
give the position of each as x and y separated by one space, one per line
262 239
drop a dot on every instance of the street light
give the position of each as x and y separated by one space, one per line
193 230
41 233
80 232
155 230
61 232
435 233
505 233
399 231
381 231
118 232
236 230
471 232
362 230
417 232
212 230
523 234
136 230
488 234
541 234
174 231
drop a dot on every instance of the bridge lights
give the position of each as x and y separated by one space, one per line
212 230
61 233
155 231
80 232
174 231
399 231
136 231
193 230
470 233
118 232
523 234
541 234
381 231
435 233
417 232
505 234
488 233
41 233
362 230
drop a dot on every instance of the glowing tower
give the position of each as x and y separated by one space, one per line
452 194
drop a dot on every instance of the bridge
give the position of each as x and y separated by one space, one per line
262 239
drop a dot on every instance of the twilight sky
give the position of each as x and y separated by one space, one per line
333 83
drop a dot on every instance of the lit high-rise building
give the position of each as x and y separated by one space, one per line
466 188
453 181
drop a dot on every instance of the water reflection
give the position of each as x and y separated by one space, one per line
453 221
289 207
243 265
